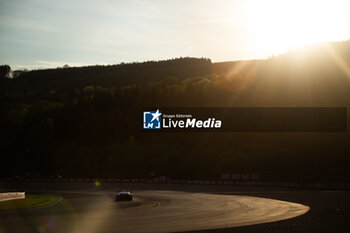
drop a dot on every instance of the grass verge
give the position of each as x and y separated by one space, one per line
31 201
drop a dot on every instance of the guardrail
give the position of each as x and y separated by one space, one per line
316 185
12 196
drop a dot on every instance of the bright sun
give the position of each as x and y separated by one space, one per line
282 25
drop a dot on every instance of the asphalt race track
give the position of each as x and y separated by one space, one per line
156 208
151 211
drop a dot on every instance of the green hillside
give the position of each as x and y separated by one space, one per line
84 121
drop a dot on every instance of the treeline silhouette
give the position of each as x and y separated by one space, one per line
110 75
86 121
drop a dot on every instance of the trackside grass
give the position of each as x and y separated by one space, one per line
31 201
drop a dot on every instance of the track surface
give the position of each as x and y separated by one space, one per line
88 209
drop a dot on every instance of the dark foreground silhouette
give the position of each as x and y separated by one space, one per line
84 121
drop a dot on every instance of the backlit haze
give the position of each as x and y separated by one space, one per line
43 34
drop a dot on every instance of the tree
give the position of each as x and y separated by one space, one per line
17 73
5 71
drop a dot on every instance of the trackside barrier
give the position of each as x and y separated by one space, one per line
318 185
12 196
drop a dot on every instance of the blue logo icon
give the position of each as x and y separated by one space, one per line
151 120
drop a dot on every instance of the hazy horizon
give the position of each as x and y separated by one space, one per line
36 34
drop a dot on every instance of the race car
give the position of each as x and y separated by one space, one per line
124 196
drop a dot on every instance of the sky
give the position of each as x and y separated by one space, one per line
42 34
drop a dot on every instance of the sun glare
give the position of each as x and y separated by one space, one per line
284 25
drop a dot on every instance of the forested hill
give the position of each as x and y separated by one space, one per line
85 121
114 75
